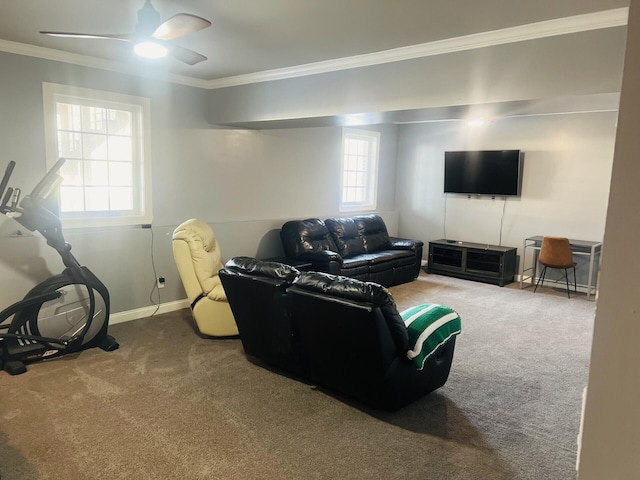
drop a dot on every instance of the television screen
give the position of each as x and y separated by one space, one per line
486 172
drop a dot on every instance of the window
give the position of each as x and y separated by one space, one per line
359 169
104 138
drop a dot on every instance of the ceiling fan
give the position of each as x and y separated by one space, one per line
152 37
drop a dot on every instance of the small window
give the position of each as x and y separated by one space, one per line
103 136
359 170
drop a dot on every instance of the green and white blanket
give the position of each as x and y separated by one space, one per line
429 326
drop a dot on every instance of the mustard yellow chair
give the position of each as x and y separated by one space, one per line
197 256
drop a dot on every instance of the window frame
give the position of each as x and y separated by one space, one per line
371 186
141 137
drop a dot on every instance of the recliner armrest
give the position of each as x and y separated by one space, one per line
405 243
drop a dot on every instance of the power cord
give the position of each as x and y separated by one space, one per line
444 222
504 205
155 276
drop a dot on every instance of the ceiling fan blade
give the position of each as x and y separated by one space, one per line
124 36
185 55
180 25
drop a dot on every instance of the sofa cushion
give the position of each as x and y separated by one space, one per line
346 235
353 289
429 326
310 235
373 232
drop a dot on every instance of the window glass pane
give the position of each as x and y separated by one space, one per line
120 174
96 173
351 162
71 171
359 166
119 122
69 145
121 198
94 147
97 198
94 119
71 199
352 147
120 148
68 116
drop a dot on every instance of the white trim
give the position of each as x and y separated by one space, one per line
145 312
560 26
372 137
95 62
140 107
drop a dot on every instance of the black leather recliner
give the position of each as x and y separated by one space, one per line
257 293
358 247
338 332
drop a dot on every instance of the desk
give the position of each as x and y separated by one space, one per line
578 247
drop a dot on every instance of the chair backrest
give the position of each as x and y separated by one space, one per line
301 236
556 252
347 288
198 259
257 294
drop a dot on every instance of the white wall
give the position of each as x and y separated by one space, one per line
611 435
567 168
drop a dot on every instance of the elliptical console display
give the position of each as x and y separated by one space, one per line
66 313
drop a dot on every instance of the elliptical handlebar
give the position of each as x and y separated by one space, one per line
50 178
3 186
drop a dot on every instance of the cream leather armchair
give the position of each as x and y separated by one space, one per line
197 256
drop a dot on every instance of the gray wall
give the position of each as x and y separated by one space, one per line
578 64
244 183
567 168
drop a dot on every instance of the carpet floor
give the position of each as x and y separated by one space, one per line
171 405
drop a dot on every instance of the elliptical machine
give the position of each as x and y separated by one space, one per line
66 313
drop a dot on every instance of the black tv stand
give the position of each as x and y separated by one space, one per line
473 261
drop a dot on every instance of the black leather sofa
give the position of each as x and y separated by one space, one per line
358 247
335 331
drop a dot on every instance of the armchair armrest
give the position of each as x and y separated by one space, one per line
405 243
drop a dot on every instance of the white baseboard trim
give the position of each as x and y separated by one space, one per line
145 312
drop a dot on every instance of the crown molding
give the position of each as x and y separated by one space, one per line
560 26
94 62
549 28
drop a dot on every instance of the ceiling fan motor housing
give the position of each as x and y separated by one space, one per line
148 20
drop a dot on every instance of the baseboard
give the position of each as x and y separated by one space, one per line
145 312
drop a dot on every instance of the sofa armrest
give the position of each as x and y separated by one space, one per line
323 261
323 256
405 243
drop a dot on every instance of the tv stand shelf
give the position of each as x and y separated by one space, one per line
473 261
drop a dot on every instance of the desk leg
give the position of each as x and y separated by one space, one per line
591 261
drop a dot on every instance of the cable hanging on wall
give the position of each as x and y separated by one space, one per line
444 222
504 205
155 283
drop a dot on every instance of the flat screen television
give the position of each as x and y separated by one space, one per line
483 172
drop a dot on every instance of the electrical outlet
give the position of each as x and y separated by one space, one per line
160 282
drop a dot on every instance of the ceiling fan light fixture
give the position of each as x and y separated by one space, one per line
149 49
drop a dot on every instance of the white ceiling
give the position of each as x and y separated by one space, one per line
250 36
